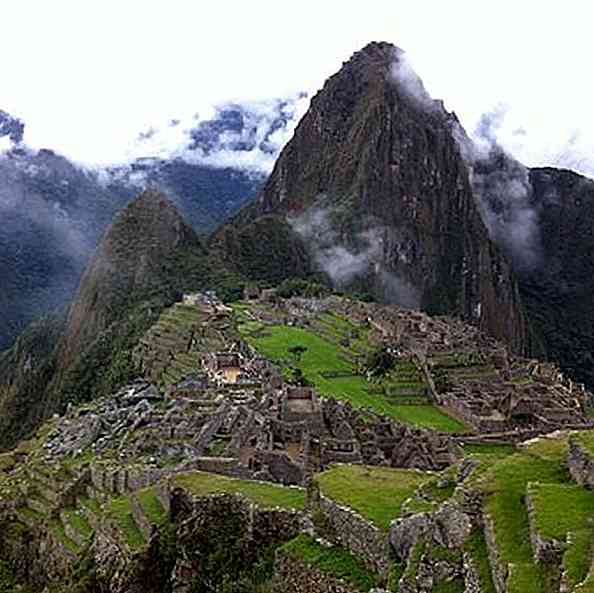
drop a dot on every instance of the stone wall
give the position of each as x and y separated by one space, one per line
498 570
581 464
121 480
545 550
353 532
292 575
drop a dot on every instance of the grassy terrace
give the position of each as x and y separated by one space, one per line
585 439
263 494
151 506
563 510
504 484
334 561
120 511
499 450
324 357
377 493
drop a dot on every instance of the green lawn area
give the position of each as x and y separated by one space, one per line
504 484
264 494
334 561
377 493
500 450
562 509
323 356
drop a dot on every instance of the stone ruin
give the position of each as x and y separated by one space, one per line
236 415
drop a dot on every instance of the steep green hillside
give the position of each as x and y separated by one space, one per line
146 260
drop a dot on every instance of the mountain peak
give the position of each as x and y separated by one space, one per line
131 261
377 53
374 183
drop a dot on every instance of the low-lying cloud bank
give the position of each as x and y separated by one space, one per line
361 257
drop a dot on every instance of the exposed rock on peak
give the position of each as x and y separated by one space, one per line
375 159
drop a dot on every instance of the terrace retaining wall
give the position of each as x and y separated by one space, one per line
353 532
544 550
581 464
292 575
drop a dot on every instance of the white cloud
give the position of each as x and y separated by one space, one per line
87 77
5 144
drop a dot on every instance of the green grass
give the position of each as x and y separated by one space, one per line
78 521
152 507
334 561
504 485
552 449
377 493
577 559
120 510
57 529
264 494
91 504
323 356
499 450
562 510
476 546
585 439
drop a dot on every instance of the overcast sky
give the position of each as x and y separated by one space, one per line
88 76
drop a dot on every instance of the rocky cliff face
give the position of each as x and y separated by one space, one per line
558 293
374 182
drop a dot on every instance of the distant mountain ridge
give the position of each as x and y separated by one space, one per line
54 211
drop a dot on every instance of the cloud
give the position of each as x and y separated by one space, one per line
6 144
243 136
407 80
502 188
362 257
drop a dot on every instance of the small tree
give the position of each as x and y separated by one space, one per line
297 351
378 363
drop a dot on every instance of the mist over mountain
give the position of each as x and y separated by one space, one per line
54 211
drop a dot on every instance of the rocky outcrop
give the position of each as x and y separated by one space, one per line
557 293
448 527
